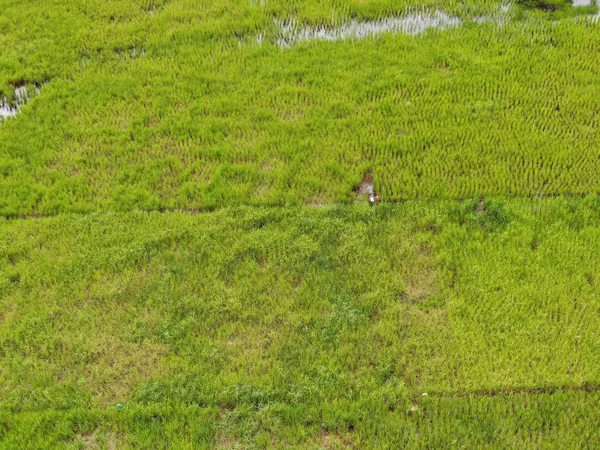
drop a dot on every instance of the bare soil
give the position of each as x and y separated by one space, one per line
366 187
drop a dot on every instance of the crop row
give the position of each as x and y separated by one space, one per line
526 421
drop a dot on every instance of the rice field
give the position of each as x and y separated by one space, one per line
188 258
192 121
291 323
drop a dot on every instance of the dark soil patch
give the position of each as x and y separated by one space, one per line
366 187
548 7
541 5
18 83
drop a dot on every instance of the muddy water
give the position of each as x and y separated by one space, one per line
499 17
583 3
8 109
413 24
594 17
21 94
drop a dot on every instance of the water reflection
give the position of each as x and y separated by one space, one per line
290 33
10 108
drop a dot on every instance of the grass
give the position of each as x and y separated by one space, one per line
310 316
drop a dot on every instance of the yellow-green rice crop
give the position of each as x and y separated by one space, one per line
159 111
303 321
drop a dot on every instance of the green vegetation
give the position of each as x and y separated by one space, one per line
187 261
194 119
558 420
274 320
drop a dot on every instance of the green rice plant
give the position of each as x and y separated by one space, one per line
527 420
138 117
303 324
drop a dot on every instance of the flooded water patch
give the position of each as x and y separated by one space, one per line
499 17
413 23
10 107
7 110
289 33
582 3
595 17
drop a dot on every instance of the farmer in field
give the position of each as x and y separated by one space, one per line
374 198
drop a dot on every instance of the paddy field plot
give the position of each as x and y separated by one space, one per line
292 323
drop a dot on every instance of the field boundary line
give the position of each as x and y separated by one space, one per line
199 211
516 390
588 388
